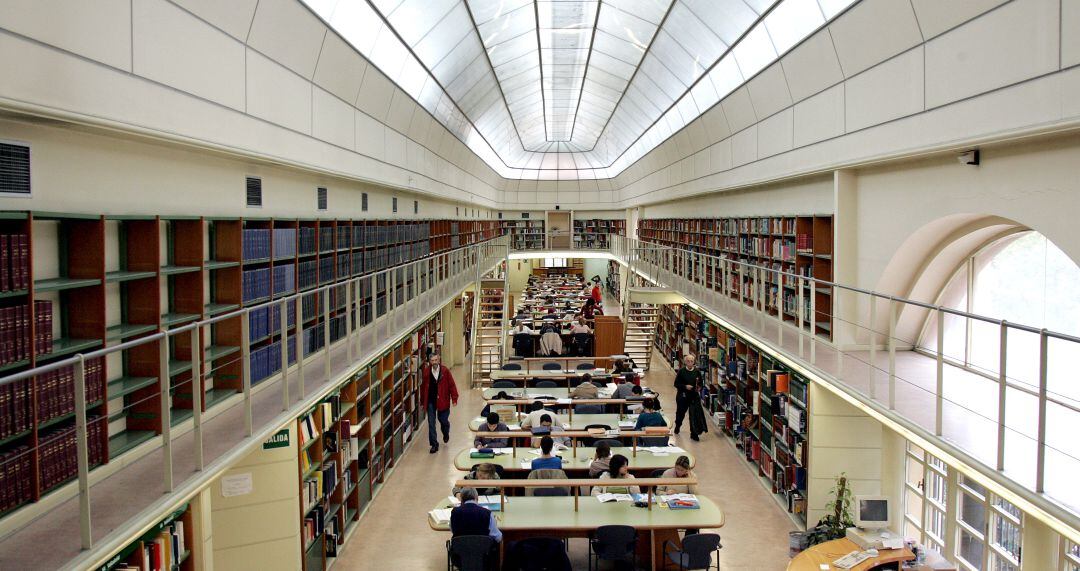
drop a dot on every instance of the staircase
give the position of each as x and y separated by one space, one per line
489 330
641 321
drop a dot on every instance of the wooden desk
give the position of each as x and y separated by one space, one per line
526 516
643 462
825 553
531 394
578 422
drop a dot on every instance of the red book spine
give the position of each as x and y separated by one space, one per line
24 262
5 262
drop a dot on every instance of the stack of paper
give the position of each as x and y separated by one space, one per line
440 516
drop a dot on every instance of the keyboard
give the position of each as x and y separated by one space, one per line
850 560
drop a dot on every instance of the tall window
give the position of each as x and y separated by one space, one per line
925 497
988 529
1070 555
1023 278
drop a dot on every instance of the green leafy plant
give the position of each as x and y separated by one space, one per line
835 523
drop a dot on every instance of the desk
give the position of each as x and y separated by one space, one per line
557 393
527 516
641 464
825 553
579 422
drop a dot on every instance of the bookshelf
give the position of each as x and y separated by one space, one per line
754 400
612 281
165 546
73 282
524 234
350 443
592 234
798 244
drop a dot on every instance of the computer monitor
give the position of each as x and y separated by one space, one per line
871 512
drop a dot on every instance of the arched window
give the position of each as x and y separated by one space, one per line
1022 278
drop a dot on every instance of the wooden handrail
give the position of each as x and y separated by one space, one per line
575 484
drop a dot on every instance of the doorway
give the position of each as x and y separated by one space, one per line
559 230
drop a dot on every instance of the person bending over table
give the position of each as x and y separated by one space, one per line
601 460
546 459
523 340
680 470
485 471
545 427
625 388
536 412
586 390
618 469
493 425
471 518
649 416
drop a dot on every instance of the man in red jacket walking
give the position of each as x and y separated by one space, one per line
437 391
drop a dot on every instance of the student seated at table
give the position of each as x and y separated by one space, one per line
581 333
586 390
624 389
485 471
618 469
680 470
493 425
601 460
547 459
545 427
536 411
471 518
649 416
500 396
523 340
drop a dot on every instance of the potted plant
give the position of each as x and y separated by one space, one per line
835 523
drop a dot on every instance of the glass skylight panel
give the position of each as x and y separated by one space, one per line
760 6
755 51
728 19
833 7
412 19
791 21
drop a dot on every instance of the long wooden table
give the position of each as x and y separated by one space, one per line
823 554
578 422
528 516
574 461
534 393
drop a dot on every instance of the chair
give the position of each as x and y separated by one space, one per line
511 367
612 442
599 384
470 552
547 385
653 441
538 554
550 492
586 367
589 409
503 385
552 366
613 543
546 474
696 553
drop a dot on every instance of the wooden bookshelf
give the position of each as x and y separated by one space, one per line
796 244
171 542
753 399
613 281
350 443
593 233
524 234
89 280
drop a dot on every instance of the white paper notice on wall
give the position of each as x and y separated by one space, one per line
236 485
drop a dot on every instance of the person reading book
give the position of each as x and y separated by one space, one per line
649 416
485 471
536 411
625 388
601 460
680 470
618 469
546 459
585 390
546 428
493 424
471 518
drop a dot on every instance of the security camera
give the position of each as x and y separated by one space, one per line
969 157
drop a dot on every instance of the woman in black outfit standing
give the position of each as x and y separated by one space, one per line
687 398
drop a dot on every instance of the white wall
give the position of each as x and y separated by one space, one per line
811 195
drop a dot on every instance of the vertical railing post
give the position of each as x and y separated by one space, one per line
245 356
894 309
873 344
939 391
1003 344
349 320
82 453
165 402
283 311
197 395
300 381
739 289
779 303
325 295
1040 457
813 323
800 283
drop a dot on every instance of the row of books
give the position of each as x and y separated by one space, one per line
56 389
284 243
780 248
15 334
57 462
307 275
256 284
16 477
309 429
163 553
43 326
284 279
264 321
255 244
14 262
314 523
266 360
16 412
312 492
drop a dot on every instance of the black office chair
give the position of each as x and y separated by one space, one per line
511 367
696 553
589 409
547 385
586 367
551 492
470 553
599 384
612 442
552 366
613 543
503 385
538 554
653 441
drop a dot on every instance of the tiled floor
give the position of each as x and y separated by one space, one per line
394 534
